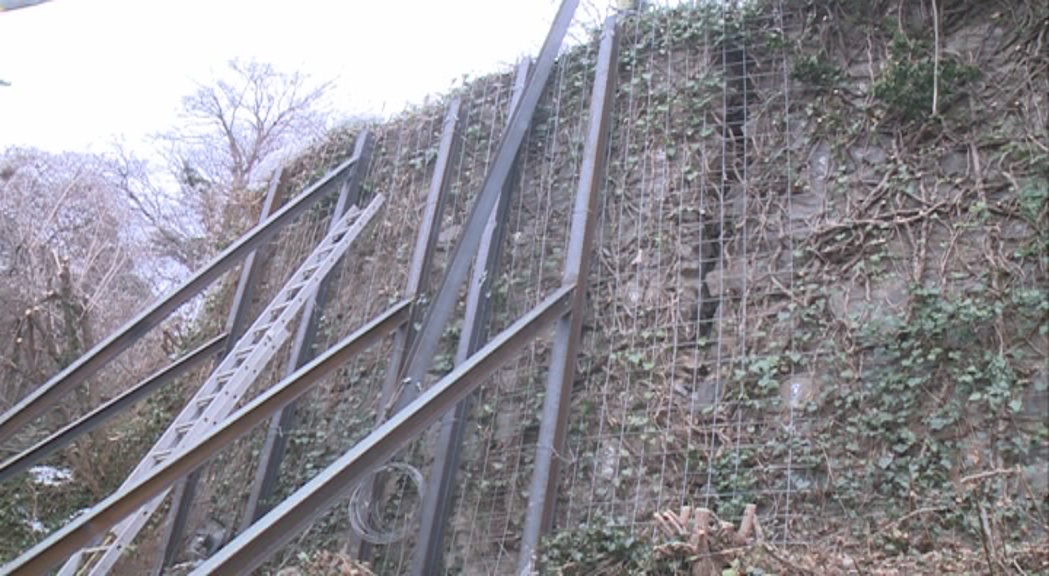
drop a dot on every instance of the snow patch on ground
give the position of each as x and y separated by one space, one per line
50 476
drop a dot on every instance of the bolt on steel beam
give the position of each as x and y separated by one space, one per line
437 496
49 393
103 413
557 400
103 516
424 346
236 323
303 349
274 530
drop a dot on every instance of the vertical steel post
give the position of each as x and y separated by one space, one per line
422 262
303 349
437 497
424 346
182 495
542 496
425 244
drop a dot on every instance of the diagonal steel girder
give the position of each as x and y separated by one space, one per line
105 412
418 271
437 497
425 344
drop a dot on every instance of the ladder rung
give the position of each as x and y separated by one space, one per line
225 375
348 220
275 312
96 549
293 290
307 273
203 401
261 331
184 427
352 214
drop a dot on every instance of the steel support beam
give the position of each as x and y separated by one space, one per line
418 270
236 323
274 530
425 246
100 518
49 393
543 494
103 413
437 498
424 346
303 350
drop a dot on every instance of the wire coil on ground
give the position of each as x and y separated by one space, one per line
365 525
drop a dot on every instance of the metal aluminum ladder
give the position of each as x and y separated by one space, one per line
218 396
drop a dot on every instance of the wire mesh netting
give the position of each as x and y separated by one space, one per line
687 384
682 381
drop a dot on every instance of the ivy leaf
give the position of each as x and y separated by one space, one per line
1016 405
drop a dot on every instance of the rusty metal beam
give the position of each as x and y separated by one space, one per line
437 497
99 519
103 413
556 403
303 350
274 530
49 393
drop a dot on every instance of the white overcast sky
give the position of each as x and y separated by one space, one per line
85 72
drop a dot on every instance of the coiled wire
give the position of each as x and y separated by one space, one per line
364 525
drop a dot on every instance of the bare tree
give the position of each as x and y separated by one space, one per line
72 265
232 129
230 138
71 262
178 219
69 257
